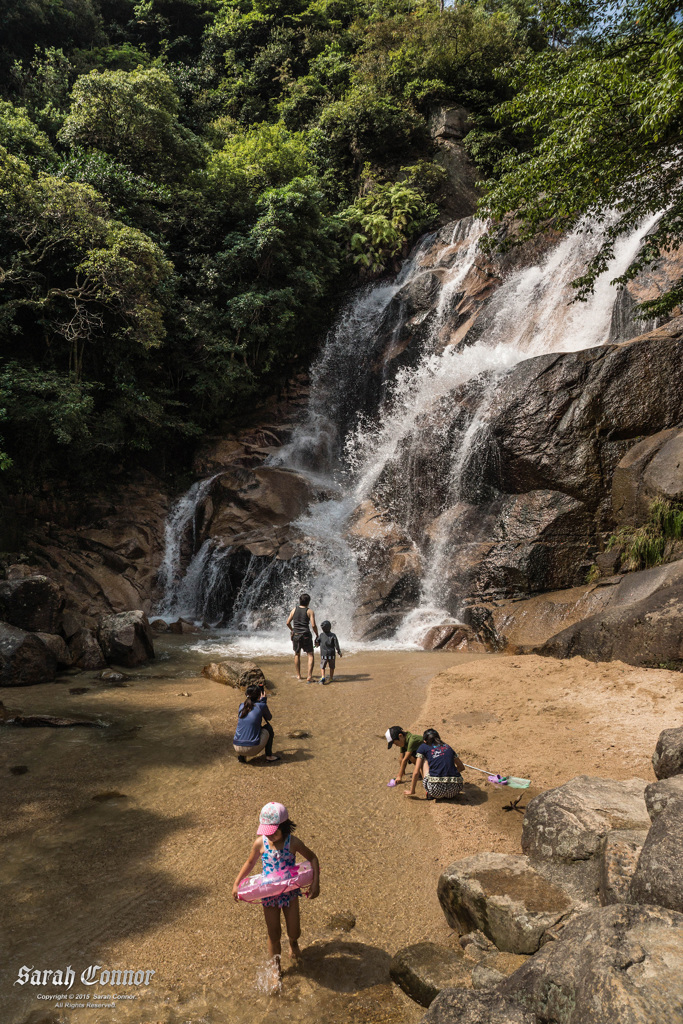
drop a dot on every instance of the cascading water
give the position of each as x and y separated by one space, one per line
370 393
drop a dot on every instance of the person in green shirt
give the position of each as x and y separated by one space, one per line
407 743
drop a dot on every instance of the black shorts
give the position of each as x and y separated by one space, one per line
303 642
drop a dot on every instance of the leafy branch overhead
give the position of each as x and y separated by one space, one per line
604 121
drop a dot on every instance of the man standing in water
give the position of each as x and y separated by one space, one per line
300 622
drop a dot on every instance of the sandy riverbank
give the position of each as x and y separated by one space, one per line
121 845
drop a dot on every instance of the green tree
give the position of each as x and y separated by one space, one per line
604 118
133 116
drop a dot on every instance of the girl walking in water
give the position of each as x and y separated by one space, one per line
277 847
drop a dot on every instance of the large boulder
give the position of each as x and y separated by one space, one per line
517 543
613 965
667 759
425 969
32 603
460 1006
562 422
24 658
640 624
85 651
504 897
618 859
658 878
569 823
649 470
659 794
126 638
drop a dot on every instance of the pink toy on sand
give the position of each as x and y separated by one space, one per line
391 782
258 887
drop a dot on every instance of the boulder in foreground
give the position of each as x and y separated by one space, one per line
667 759
504 897
32 603
658 878
614 965
570 822
126 638
425 969
24 658
460 1006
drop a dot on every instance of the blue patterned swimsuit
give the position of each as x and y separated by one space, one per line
274 860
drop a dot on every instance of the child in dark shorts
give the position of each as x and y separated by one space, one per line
329 648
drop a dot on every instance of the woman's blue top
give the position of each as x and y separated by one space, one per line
248 731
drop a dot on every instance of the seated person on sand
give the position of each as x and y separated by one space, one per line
407 743
254 731
440 767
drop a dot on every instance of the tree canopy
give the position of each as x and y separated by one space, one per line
603 123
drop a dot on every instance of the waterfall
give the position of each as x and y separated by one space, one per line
392 358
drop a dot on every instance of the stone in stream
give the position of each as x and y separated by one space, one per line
618 859
658 877
504 897
460 1006
612 965
158 626
18 769
126 639
234 673
425 969
24 658
85 650
109 675
667 759
343 921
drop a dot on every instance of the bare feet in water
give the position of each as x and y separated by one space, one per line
294 951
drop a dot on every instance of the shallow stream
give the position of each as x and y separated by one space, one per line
121 843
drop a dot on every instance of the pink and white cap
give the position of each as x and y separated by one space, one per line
270 819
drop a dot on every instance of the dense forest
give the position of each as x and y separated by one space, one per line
188 188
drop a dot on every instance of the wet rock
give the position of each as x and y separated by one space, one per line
658 877
112 794
159 626
425 969
503 896
344 921
389 563
78 690
449 637
18 769
57 645
618 859
126 638
234 673
108 675
615 964
564 422
458 1006
659 794
667 759
516 543
298 734
32 603
24 658
182 626
85 650
570 822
